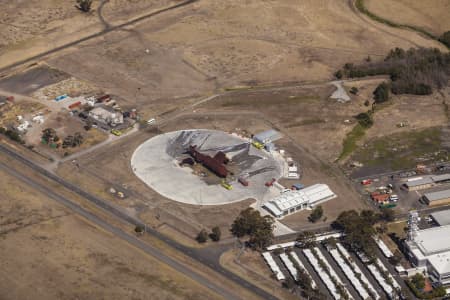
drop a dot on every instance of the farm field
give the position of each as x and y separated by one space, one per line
430 15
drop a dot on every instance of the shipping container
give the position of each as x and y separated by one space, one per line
73 105
243 181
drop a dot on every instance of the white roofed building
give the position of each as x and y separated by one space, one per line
293 201
430 248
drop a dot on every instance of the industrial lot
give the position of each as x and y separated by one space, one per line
224 150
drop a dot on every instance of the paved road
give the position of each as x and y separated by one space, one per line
120 233
200 255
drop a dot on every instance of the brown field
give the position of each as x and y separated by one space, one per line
252 267
201 48
432 15
50 253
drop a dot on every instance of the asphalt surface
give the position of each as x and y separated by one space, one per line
202 256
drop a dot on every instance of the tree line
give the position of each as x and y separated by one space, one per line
415 71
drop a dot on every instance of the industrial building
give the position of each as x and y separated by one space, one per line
437 198
106 116
425 182
442 217
292 201
429 249
267 137
215 164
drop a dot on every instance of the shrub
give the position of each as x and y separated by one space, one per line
365 120
215 234
202 236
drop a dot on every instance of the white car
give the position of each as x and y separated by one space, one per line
393 198
151 121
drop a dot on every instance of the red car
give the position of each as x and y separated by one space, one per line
366 181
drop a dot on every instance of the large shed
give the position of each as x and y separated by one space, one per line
291 201
267 137
442 217
437 198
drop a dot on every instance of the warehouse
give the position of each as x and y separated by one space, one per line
267 137
293 201
419 183
430 249
437 198
442 217
426 182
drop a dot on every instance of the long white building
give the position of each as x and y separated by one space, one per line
291 201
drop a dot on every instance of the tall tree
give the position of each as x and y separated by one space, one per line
84 5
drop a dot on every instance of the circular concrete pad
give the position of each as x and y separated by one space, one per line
157 163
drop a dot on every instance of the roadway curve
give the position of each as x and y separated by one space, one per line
108 28
200 255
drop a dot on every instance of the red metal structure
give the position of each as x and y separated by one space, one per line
216 164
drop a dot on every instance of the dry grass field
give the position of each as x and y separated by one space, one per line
432 15
49 253
209 45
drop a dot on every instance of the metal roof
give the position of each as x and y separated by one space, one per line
309 195
433 240
420 181
442 217
267 136
434 196
442 177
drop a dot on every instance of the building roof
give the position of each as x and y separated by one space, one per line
267 136
443 177
419 181
434 196
309 195
433 240
442 217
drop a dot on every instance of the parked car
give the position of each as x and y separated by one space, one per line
116 132
366 181
393 198
151 121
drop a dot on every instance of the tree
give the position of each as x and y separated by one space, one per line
202 236
354 90
418 280
316 214
397 258
215 234
49 135
358 229
331 242
387 214
139 229
338 74
365 119
84 5
306 239
381 93
445 38
258 228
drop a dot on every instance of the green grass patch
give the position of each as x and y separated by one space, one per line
362 8
403 150
350 141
